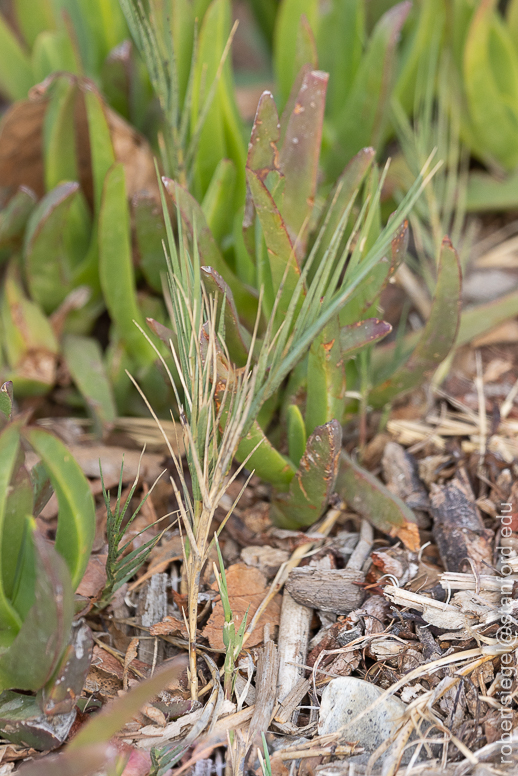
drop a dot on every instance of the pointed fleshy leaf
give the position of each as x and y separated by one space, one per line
364 114
194 221
262 149
340 198
34 17
41 487
16 76
116 265
372 500
101 147
23 723
34 655
84 360
436 338
76 509
54 51
117 76
305 47
10 621
314 481
487 192
89 759
47 262
283 263
340 37
215 202
17 507
14 217
285 40
266 461
29 340
298 158
369 291
150 235
297 438
481 318
60 694
491 85
325 393
59 142
356 336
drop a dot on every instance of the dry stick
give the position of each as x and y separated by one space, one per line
296 557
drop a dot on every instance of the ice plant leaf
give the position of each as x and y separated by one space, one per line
314 481
281 253
298 158
150 234
437 337
266 461
116 265
59 143
14 216
10 620
76 522
33 656
84 359
372 500
50 280
16 76
356 336
325 394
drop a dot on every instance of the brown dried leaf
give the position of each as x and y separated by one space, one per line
246 590
94 580
169 626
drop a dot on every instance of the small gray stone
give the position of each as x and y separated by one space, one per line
344 699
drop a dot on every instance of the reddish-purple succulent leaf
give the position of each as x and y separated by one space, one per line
284 267
262 149
356 336
314 481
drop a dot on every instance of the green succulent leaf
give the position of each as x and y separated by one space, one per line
50 279
265 459
60 694
364 114
297 438
490 72
14 217
16 76
314 482
116 266
285 41
10 620
437 337
84 359
31 659
59 142
101 146
76 521
215 202
34 17
150 236
325 378
372 500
